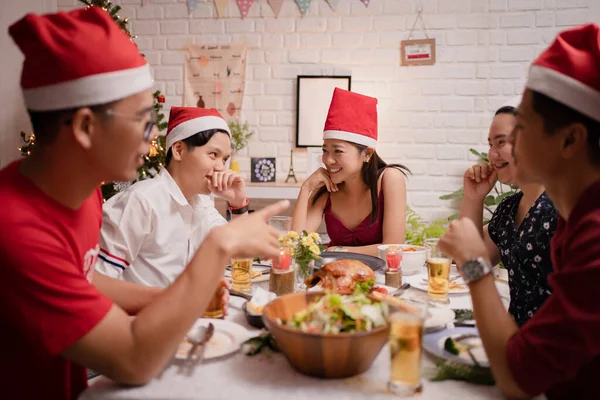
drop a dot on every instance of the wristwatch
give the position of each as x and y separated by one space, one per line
475 269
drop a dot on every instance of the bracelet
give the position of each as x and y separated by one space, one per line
241 210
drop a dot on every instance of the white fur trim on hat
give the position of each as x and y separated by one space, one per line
565 90
196 125
350 137
90 90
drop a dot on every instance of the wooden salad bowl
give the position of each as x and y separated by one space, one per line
321 355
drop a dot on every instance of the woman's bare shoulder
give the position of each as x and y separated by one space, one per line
392 177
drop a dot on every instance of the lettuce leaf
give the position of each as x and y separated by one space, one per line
364 287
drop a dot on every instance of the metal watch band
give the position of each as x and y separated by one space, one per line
475 269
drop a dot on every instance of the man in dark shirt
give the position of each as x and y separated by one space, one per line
556 143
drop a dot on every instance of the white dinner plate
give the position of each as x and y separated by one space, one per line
227 338
438 317
433 343
422 284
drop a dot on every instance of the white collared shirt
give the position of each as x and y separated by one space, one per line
150 232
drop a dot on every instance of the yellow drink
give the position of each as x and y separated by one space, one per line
406 331
240 275
439 275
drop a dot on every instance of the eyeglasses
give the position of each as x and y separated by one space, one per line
149 125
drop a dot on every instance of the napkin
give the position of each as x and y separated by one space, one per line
260 299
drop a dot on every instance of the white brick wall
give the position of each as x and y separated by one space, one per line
429 116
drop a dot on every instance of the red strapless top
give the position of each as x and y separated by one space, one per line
366 233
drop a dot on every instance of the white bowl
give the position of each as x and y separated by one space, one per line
412 261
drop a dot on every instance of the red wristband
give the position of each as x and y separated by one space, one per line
246 204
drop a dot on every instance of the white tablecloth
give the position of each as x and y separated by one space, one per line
269 376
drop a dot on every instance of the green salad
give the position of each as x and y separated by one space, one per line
335 313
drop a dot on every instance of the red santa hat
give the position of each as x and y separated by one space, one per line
188 121
569 70
352 117
77 58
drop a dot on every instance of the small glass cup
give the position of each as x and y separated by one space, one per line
406 332
282 223
283 262
216 306
438 266
393 258
240 275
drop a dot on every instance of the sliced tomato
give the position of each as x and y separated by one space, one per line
380 289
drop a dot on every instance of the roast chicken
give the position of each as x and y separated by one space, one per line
341 276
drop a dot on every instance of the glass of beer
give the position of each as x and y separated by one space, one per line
215 307
406 331
438 265
240 275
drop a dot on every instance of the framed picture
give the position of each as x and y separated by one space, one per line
417 52
315 160
263 170
312 104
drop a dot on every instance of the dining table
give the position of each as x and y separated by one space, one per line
268 375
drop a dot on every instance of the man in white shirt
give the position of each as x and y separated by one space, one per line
151 230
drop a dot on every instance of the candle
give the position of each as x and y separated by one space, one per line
394 259
283 262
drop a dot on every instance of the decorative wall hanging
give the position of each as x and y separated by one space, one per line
244 6
275 6
312 104
221 5
333 4
263 170
215 77
303 5
417 51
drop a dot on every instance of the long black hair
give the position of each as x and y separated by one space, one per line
370 172
197 140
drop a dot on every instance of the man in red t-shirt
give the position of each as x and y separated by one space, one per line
87 90
556 143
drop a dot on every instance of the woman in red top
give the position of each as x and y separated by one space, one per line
356 186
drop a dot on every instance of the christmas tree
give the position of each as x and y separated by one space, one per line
155 159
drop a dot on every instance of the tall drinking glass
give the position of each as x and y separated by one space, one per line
406 331
438 265
282 223
240 275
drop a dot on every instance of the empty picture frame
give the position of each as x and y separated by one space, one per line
313 96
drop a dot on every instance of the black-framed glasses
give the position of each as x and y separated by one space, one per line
149 125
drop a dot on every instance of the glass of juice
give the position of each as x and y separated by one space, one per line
215 307
240 275
406 331
438 266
